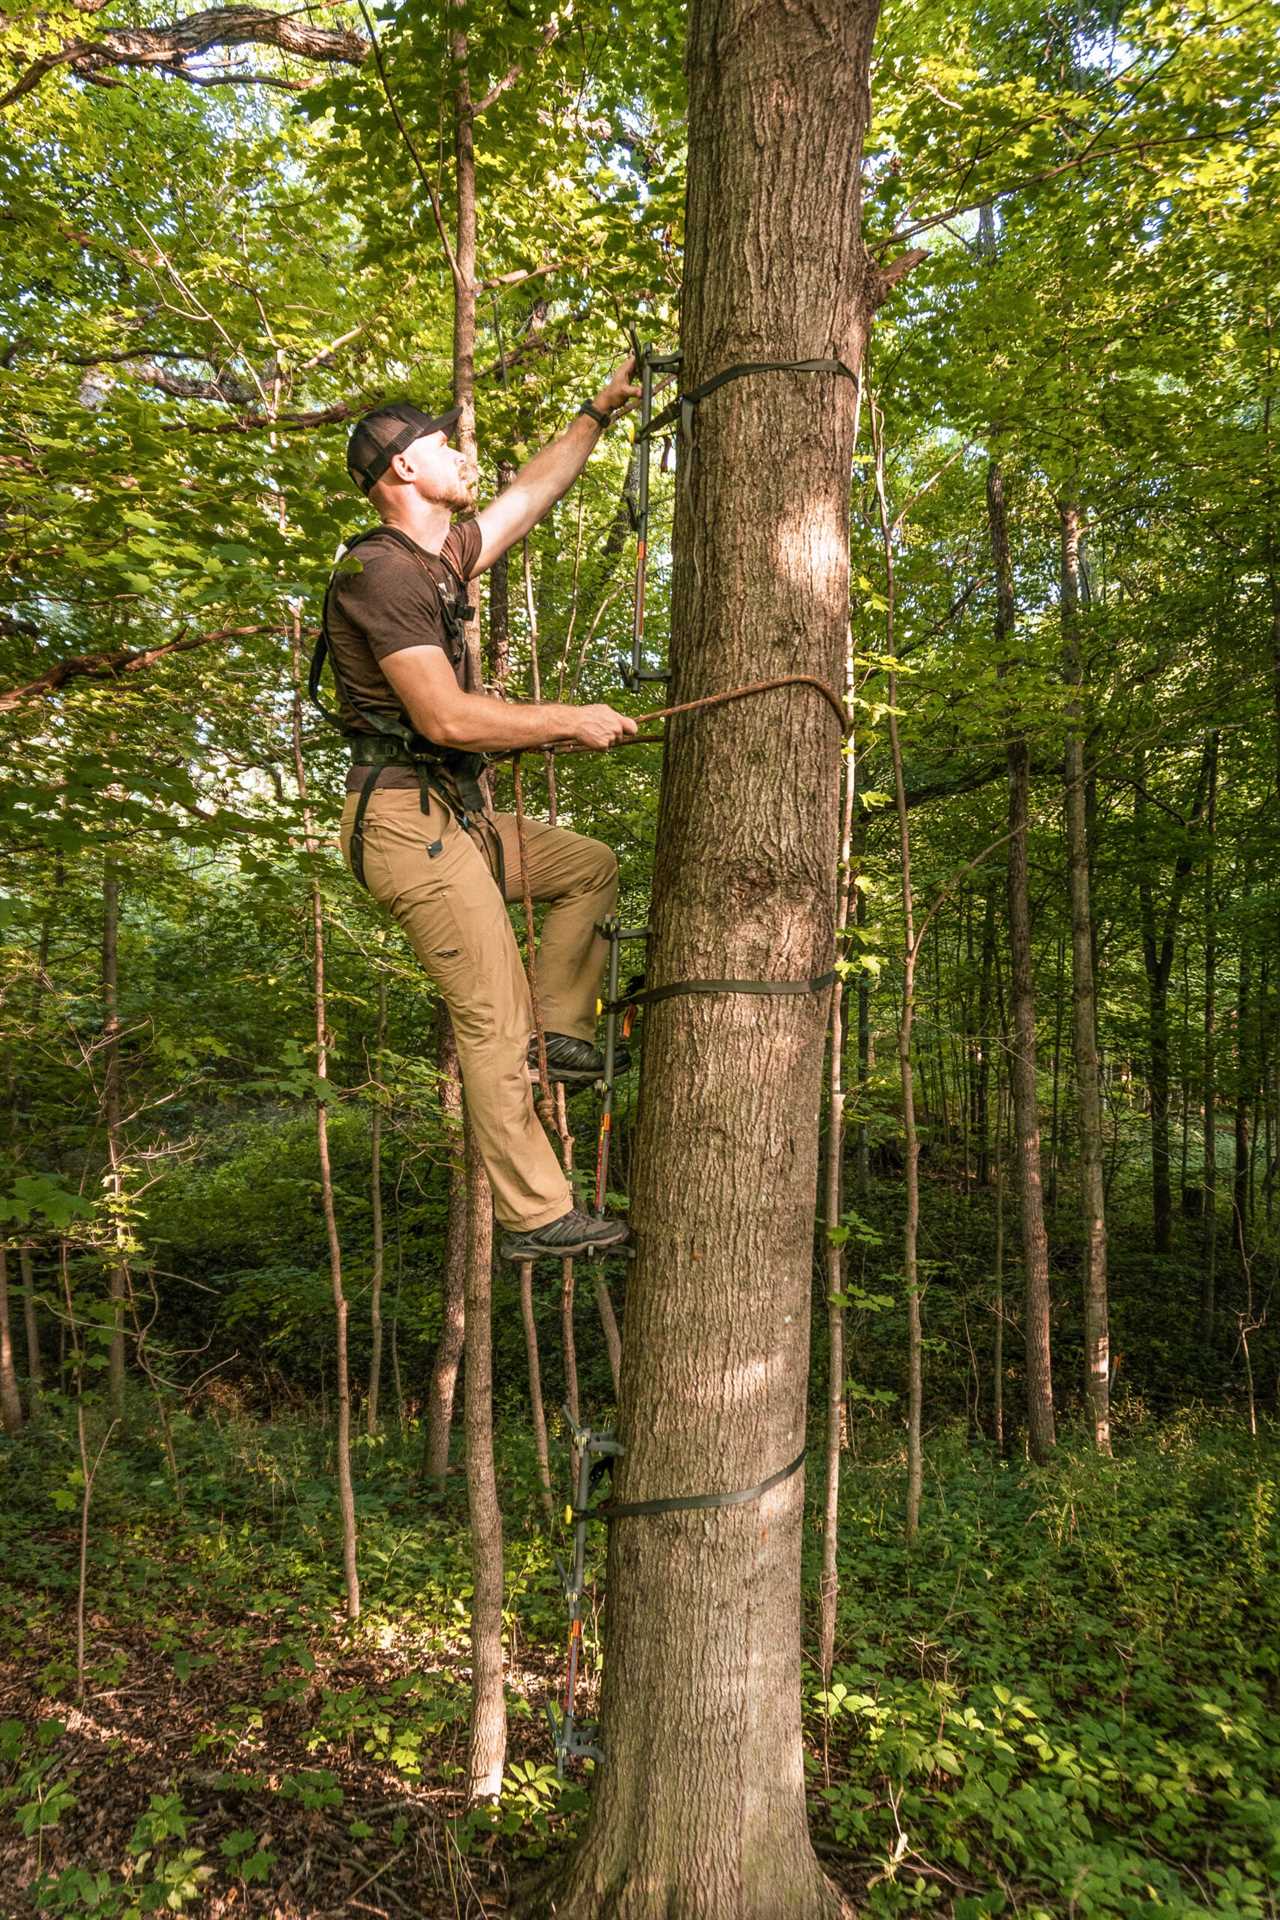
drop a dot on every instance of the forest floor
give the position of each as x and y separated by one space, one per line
1065 1700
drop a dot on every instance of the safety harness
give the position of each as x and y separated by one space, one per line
379 742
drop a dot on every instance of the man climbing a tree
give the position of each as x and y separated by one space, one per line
417 829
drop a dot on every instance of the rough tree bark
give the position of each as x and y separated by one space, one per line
1097 1344
700 1804
1022 1009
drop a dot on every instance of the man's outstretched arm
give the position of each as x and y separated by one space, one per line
549 475
440 710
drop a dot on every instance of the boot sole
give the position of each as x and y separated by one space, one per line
584 1077
571 1250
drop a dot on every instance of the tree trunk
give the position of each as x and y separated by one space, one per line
498 663
375 1204
1055 1102
487 1751
1209 1084
997 1358
35 1368
862 1137
1158 945
538 1411
453 1280
829 1590
700 1803
608 1325
111 1121
10 1399
1244 1091
342 1374
1097 1346
910 1136
1022 1069
982 1075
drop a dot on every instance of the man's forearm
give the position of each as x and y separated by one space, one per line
477 723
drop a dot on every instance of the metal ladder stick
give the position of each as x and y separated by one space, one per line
572 1742
637 673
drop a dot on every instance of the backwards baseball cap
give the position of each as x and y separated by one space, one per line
387 431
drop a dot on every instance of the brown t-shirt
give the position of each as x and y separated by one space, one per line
384 598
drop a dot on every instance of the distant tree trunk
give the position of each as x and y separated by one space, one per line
35 1369
453 1279
449 1351
499 661
1244 1094
982 1075
997 1361
1097 1341
537 1410
608 1325
1055 1106
910 1136
111 1121
375 1205
1209 1084
1158 947
1022 1075
699 1808
862 1140
342 1374
829 1589
10 1399
487 1751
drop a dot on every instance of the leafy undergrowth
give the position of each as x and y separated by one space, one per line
1063 1701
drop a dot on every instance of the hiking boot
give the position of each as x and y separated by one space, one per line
574 1236
577 1063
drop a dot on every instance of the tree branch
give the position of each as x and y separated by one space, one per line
271 423
519 276
1142 145
551 32
170 47
105 666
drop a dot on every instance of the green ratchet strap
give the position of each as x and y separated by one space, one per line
649 996
682 408
686 1502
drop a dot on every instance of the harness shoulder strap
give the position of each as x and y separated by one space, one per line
370 720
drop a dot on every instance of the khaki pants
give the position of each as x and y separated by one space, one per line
435 879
